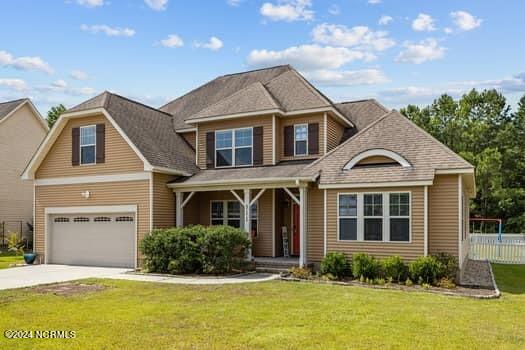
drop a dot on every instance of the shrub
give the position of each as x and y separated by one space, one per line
450 265
394 268
409 282
446 283
425 269
335 264
15 244
364 265
301 272
194 249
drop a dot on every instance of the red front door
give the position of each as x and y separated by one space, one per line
295 230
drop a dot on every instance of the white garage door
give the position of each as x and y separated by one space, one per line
94 239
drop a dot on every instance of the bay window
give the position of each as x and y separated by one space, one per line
233 147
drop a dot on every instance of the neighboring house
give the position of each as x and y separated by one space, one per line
22 129
261 150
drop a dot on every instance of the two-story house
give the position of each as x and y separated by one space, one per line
262 150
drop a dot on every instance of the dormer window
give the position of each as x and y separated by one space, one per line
301 139
234 147
88 141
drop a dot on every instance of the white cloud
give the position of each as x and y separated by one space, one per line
61 87
61 84
173 40
360 36
385 20
423 23
334 10
213 44
24 62
288 10
234 3
448 30
157 5
14 84
347 78
374 2
78 75
109 31
425 50
90 3
465 21
308 57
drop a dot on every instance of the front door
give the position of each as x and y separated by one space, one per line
295 230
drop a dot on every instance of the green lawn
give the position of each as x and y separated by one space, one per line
130 315
6 259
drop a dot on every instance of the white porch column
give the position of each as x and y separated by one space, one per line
179 209
303 229
247 219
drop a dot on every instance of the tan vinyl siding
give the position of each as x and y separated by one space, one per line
163 201
334 133
443 215
264 121
465 244
307 119
101 194
409 251
20 135
191 213
315 219
120 157
376 160
189 137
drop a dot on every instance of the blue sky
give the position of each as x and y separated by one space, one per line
399 52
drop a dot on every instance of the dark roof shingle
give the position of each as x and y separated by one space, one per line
9 106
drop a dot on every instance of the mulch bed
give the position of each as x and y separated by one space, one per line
68 288
477 293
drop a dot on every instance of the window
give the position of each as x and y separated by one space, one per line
102 219
373 217
233 147
399 217
81 219
88 137
234 214
348 217
217 213
254 217
61 220
124 219
229 213
301 139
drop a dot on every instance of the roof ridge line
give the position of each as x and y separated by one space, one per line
16 100
137 103
256 70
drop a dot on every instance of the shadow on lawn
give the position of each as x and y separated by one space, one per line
510 278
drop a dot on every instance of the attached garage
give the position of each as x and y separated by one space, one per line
91 238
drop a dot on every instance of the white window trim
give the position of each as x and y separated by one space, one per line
382 217
88 145
347 217
385 217
233 148
225 217
295 140
409 216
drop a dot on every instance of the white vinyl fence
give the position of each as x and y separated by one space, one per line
510 250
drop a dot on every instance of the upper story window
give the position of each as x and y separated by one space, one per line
234 147
88 141
301 139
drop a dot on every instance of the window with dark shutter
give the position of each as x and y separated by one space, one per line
258 145
288 140
210 149
75 146
101 143
313 138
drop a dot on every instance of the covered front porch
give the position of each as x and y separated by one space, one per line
273 214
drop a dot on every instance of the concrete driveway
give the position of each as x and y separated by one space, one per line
32 275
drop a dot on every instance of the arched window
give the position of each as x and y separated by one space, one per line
377 157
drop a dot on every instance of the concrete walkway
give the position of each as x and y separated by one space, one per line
28 276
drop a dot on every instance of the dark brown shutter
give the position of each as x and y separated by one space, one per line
101 143
75 146
210 150
288 141
313 138
258 145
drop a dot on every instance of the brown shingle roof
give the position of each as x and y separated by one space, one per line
362 113
9 106
149 129
395 133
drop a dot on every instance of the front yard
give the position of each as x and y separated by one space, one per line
266 315
7 259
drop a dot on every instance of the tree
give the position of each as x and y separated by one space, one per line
54 113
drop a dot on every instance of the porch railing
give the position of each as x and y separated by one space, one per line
510 249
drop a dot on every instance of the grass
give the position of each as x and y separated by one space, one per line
128 315
8 258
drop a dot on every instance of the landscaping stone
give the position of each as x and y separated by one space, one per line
477 274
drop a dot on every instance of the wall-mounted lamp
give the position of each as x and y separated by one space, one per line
85 194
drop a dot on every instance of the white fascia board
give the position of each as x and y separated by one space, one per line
233 116
35 111
454 171
164 170
91 209
72 180
182 131
376 184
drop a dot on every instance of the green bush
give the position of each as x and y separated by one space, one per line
364 265
395 268
450 265
335 264
301 272
425 269
194 249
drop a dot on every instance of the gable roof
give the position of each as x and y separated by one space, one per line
395 133
286 88
362 112
8 108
